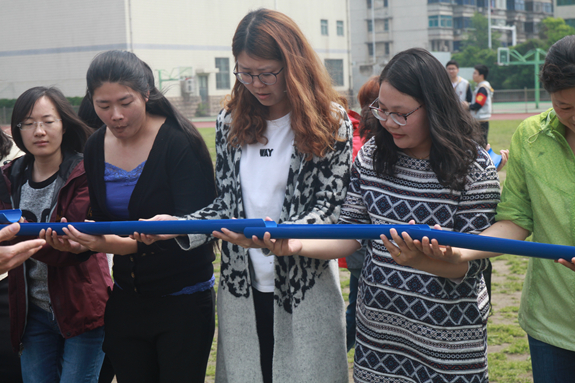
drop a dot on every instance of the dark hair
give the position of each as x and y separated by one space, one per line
127 69
454 132
271 35
558 71
482 70
75 132
452 62
87 113
5 145
367 94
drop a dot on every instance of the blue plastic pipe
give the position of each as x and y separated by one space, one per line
448 238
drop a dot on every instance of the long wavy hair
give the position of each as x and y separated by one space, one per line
271 35
127 69
75 132
454 132
558 71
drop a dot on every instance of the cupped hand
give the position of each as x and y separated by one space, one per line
405 251
434 250
148 239
88 241
279 247
15 255
61 242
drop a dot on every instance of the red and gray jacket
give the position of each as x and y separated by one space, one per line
78 284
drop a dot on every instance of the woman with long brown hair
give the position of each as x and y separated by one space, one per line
283 146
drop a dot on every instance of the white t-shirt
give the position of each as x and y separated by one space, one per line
264 171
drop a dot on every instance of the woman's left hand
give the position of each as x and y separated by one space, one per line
90 242
406 251
570 265
240 239
61 242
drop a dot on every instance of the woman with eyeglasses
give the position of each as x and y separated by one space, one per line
417 321
283 146
57 298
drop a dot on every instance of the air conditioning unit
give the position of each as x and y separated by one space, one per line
188 85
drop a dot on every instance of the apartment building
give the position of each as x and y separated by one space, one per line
382 28
566 10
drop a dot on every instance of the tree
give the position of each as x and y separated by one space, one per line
479 36
554 29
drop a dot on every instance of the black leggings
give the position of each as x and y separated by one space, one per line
264 305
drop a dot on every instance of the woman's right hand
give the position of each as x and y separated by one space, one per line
279 247
148 239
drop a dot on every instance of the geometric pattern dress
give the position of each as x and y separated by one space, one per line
413 326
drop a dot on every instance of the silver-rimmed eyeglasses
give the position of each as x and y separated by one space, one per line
28 125
398 118
267 78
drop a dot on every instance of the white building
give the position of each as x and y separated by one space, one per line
52 43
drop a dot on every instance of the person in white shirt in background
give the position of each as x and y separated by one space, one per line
460 85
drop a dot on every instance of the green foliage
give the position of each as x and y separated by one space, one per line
478 35
475 52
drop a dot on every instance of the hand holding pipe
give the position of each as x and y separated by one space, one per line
447 238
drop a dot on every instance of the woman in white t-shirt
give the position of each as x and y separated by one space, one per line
283 146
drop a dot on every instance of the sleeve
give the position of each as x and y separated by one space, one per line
332 181
220 208
515 202
91 158
354 210
480 99
468 94
190 181
477 205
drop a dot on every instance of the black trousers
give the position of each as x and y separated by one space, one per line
9 360
159 339
264 305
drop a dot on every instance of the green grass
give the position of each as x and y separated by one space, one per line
500 133
209 135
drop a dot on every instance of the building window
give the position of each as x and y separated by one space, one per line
223 76
565 2
324 28
465 2
369 26
461 22
368 4
547 7
339 25
570 22
386 25
516 5
385 3
370 49
442 21
529 27
335 70
386 47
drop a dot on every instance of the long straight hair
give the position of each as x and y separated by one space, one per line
454 132
75 132
127 69
271 35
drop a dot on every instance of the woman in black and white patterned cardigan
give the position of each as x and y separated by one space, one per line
283 146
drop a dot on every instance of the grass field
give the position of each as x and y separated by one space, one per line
508 351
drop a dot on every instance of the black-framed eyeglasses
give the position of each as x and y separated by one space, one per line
398 118
267 78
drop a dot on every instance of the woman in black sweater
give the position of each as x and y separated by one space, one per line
148 159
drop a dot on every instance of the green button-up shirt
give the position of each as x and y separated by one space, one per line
539 195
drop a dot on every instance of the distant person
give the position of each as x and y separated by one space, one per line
362 132
460 85
482 99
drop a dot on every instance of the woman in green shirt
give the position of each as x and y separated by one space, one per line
538 198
